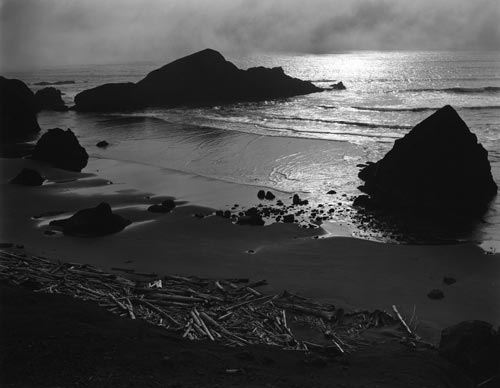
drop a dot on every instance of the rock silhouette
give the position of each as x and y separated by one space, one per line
338 86
96 221
28 177
50 99
202 78
474 346
438 166
62 149
17 110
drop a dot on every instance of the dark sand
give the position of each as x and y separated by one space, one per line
348 272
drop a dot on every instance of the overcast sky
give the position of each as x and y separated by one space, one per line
35 33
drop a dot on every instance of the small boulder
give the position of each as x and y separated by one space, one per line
448 280
289 218
102 144
338 86
270 196
62 149
298 201
261 194
474 346
50 99
331 192
28 177
96 221
253 219
165 207
435 294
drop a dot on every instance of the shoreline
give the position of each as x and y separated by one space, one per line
347 272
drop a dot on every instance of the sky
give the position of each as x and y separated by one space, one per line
37 33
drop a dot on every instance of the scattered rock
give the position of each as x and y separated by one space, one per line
289 218
204 77
331 192
297 201
449 280
437 166
338 86
62 149
435 294
474 346
102 144
50 99
17 110
28 177
165 207
252 219
97 221
270 196
261 194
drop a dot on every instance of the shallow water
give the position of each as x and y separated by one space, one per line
309 143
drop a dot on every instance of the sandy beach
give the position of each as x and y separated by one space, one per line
348 272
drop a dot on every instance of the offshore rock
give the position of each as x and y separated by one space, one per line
96 221
202 78
62 149
17 110
338 86
438 166
50 99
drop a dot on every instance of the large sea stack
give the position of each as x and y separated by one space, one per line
17 110
438 166
50 99
203 78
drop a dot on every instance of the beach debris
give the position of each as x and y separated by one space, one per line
165 207
435 294
62 149
96 221
102 144
229 311
28 177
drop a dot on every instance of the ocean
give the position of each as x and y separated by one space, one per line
307 144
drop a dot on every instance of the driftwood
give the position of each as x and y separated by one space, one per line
229 311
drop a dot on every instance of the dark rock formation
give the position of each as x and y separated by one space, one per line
96 221
28 177
17 110
435 294
270 196
62 149
338 86
332 192
203 78
474 346
50 99
261 194
296 200
448 280
438 165
253 219
165 207
102 144
289 218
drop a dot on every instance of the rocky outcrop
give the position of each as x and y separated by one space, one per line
474 346
96 221
102 144
17 110
338 86
202 78
28 177
62 149
50 99
439 165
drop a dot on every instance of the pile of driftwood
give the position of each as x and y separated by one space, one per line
230 311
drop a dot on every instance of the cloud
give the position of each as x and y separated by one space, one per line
48 32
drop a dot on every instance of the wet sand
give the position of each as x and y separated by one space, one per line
348 272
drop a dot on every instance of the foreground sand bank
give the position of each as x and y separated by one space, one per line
345 271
